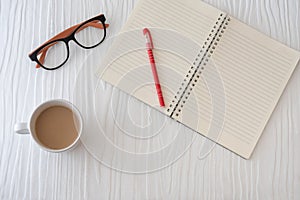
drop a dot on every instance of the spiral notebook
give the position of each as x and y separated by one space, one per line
219 76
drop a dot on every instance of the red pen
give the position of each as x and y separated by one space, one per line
149 45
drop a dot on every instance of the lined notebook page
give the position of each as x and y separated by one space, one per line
177 40
254 71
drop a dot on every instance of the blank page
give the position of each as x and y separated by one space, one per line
254 70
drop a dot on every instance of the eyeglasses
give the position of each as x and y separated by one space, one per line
55 52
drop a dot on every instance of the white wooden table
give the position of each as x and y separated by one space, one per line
27 172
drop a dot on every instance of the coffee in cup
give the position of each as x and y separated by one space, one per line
55 125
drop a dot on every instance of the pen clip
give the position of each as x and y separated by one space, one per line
148 38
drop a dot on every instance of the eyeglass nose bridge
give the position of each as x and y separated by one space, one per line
67 39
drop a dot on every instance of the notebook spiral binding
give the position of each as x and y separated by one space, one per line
198 66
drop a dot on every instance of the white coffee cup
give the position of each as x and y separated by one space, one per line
29 128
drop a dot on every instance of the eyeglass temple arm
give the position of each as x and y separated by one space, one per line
66 33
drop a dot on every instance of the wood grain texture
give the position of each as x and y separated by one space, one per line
26 172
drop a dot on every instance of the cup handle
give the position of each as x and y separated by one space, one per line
21 128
